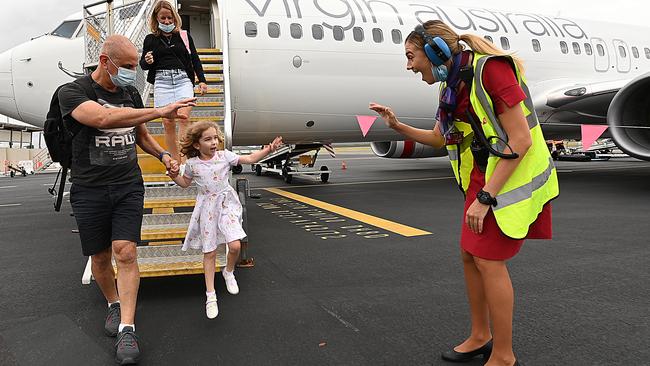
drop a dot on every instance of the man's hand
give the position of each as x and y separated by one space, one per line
170 111
173 168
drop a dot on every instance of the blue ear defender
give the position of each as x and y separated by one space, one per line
437 51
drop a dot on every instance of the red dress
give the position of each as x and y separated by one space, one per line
501 85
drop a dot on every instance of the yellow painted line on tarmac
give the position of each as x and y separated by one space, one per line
392 226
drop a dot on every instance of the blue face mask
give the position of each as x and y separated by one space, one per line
167 28
124 76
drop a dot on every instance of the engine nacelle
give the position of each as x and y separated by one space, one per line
405 150
628 118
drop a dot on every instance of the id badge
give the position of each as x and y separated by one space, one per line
454 138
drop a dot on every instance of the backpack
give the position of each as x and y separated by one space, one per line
58 135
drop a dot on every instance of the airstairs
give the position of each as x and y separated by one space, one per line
167 207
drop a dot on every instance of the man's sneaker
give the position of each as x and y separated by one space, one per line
127 350
211 308
231 282
112 322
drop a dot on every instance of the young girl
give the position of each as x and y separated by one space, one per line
216 219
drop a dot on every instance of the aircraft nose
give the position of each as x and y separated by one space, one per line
7 97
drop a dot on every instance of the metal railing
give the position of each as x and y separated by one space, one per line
103 18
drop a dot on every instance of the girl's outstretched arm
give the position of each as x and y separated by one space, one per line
181 180
259 154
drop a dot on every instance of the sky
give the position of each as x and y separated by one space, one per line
22 22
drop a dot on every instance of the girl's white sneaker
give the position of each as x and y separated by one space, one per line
231 282
211 308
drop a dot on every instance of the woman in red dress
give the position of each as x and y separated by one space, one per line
484 246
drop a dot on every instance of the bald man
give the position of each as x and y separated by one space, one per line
107 192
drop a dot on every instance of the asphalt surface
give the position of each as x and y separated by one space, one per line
364 296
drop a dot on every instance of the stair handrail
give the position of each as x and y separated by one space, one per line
124 20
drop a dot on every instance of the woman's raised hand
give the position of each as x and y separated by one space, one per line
275 143
386 113
148 58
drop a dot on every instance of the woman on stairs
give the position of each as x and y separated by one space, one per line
174 65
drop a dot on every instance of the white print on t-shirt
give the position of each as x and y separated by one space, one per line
113 146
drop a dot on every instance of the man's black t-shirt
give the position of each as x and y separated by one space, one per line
106 156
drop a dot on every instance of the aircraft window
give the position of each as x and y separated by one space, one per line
647 52
588 49
564 47
377 35
576 48
601 50
397 36
66 29
635 52
357 33
338 33
250 28
317 31
296 31
489 38
274 30
505 43
536 46
621 51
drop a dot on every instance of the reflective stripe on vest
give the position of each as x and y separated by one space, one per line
532 184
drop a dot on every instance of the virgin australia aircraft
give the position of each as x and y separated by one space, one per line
304 69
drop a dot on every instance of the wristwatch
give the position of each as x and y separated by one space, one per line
485 198
163 153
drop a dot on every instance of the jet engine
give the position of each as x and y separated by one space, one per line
405 150
628 118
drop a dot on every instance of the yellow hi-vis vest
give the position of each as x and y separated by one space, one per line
534 181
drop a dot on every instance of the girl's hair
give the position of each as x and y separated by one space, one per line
438 28
153 20
193 136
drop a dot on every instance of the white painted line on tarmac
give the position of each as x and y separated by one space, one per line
11 205
8 187
338 317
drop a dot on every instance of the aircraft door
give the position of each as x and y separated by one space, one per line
623 57
601 55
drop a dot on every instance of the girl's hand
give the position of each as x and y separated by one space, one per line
275 144
475 215
172 168
203 88
148 58
386 113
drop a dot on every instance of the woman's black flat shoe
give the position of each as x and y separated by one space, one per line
454 356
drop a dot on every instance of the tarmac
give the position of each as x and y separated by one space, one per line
347 291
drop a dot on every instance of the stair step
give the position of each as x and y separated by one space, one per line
198 105
209 51
153 220
163 233
198 119
150 165
213 69
156 178
170 192
207 59
169 202
170 260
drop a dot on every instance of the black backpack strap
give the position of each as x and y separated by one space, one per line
135 96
